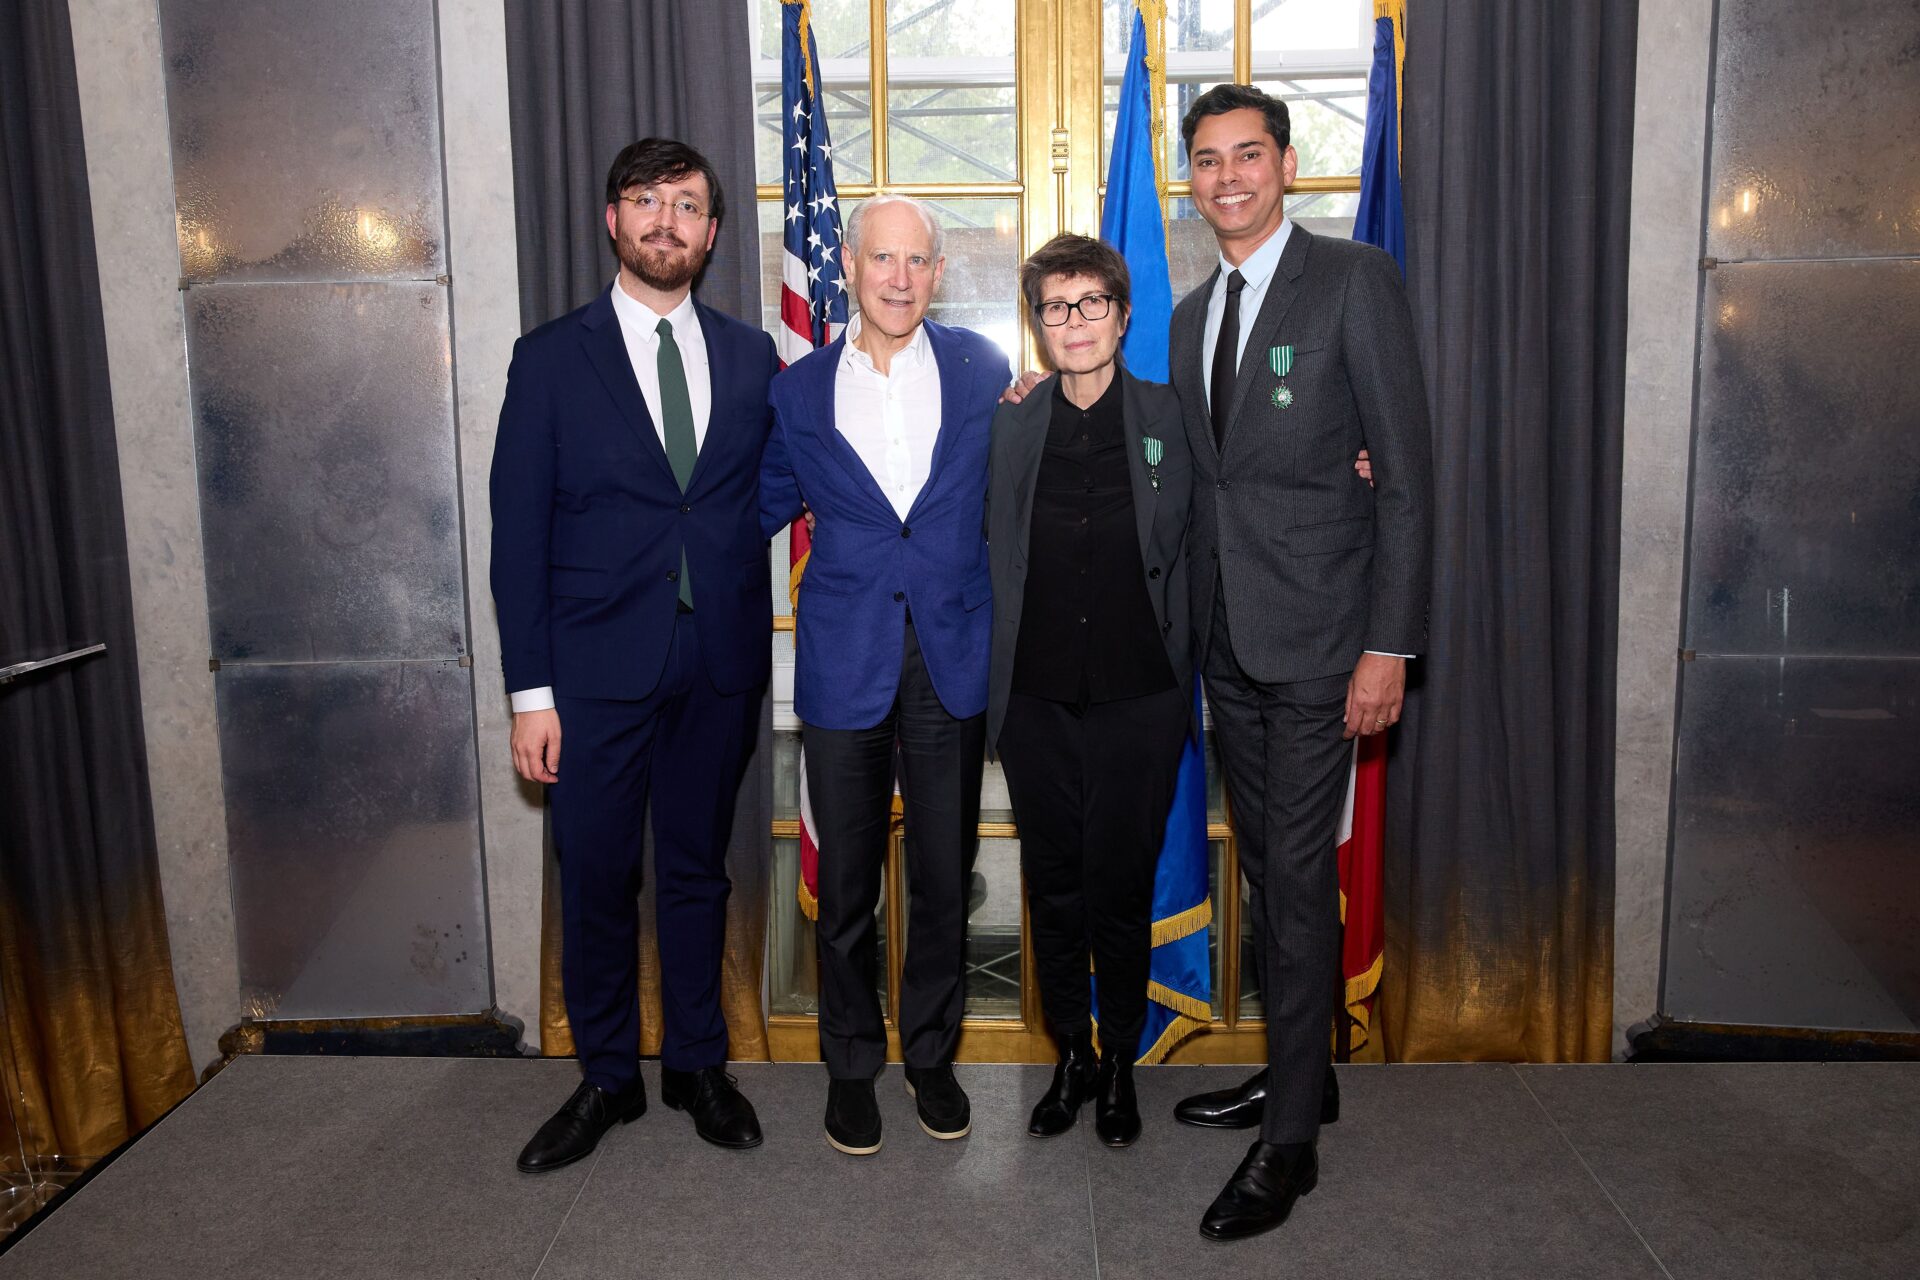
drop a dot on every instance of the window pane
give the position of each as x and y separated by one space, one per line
950 96
1216 868
793 972
840 35
1325 214
1328 121
993 932
1250 1003
1314 31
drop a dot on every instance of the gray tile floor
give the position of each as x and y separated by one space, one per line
348 1167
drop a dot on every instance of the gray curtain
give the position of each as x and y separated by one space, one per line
585 78
91 1049
1519 126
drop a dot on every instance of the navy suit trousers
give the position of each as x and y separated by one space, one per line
685 746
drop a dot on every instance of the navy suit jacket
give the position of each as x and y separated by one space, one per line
589 522
868 567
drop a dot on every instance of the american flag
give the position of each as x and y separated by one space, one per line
813 294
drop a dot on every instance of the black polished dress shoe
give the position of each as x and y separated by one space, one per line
1116 1115
1242 1107
575 1129
944 1110
1262 1190
721 1113
853 1117
1074 1077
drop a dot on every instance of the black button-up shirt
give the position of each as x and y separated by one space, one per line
1087 630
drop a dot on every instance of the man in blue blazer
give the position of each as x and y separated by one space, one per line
883 436
630 575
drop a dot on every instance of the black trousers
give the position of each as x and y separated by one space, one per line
1090 791
1286 766
685 747
850 776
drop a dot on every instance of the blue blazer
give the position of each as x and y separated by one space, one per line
868 567
589 522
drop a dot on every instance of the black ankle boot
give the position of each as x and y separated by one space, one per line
1073 1083
1116 1114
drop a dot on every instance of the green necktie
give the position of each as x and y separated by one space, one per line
676 420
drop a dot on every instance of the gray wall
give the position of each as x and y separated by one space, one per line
295 308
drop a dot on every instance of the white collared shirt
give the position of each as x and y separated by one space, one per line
639 326
891 419
639 330
1257 271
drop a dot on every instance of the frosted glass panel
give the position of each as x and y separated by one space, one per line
1806 489
1815 149
1795 897
323 416
352 823
306 139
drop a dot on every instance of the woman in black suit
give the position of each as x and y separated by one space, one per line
1090 692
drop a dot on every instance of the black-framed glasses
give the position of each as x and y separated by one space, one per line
649 203
1094 306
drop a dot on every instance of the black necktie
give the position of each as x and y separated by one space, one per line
1226 358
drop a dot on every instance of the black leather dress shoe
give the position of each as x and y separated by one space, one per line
1116 1116
1074 1077
1242 1107
1262 1190
944 1110
853 1117
721 1113
575 1129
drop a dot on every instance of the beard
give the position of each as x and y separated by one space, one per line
661 266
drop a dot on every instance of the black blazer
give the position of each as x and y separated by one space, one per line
1318 567
1019 440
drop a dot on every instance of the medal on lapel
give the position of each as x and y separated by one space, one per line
1280 360
1154 449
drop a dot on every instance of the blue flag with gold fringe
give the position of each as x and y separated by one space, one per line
1180 979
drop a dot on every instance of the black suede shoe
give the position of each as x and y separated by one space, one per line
1073 1083
1262 1190
721 1113
853 1117
1242 1107
575 1129
944 1110
1116 1116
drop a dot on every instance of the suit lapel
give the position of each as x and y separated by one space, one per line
956 375
1189 383
607 351
1030 421
713 336
826 425
1146 498
1281 291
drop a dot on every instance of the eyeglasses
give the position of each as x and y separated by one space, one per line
1092 307
648 203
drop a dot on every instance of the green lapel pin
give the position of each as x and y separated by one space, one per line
1280 360
1155 449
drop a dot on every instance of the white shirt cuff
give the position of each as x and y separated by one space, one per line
540 699
1382 652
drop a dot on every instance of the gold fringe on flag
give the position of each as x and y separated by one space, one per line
1397 10
1183 923
806 44
1154 14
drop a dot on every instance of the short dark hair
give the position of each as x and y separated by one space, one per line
653 160
1070 255
1223 98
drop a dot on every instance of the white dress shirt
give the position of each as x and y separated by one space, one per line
891 419
1257 271
639 329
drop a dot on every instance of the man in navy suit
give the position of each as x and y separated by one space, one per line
883 436
631 579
